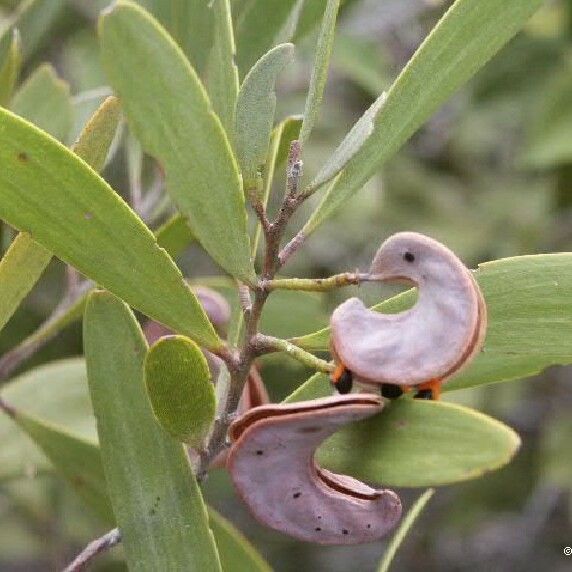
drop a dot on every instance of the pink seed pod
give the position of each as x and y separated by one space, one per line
214 304
272 465
428 343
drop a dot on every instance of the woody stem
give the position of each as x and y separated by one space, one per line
239 366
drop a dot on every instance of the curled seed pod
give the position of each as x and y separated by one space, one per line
431 341
253 395
272 465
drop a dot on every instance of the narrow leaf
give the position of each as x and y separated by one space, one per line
48 191
34 19
171 115
60 398
310 18
76 459
404 529
318 385
27 259
258 28
465 38
255 111
48 330
155 497
190 22
350 145
180 389
20 268
290 127
528 300
236 552
44 99
95 140
361 60
288 29
320 69
548 142
222 81
10 69
416 443
175 235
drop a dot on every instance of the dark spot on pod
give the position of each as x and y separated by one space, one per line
319 517
296 495
22 157
344 531
345 382
369 525
317 529
313 429
260 452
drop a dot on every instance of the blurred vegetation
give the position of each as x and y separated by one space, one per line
490 175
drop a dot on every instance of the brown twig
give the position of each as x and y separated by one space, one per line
105 542
291 248
239 368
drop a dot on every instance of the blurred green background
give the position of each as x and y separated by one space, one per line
490 175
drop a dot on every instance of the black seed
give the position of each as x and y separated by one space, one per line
345 382
409 257
296 495
424 394
260 452
344 531
391 391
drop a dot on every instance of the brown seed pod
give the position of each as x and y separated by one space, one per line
272 465
430 342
